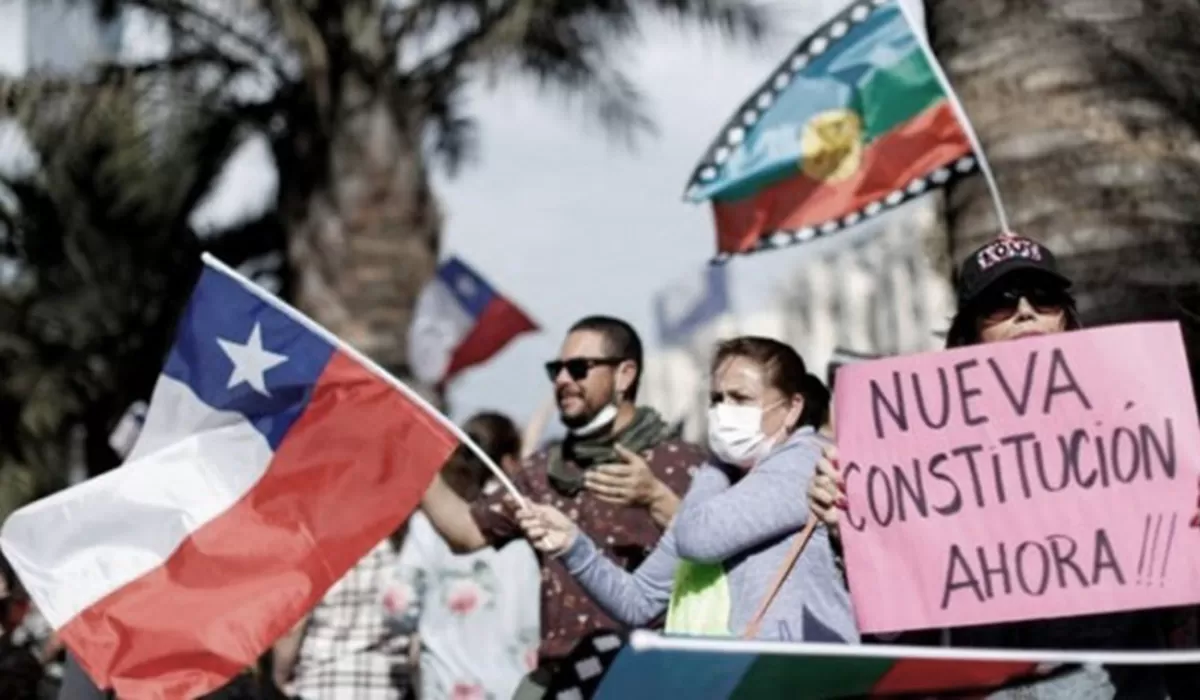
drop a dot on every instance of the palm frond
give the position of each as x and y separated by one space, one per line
568 46
453 134
736 19
317 49
100 235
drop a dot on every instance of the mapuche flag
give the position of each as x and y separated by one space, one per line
733 670
273 457
651 665
858 119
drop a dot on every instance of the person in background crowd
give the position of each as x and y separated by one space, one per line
1010 289
618 474
738 517
343 649
21 674
474 616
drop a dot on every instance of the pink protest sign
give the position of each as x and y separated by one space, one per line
1038 478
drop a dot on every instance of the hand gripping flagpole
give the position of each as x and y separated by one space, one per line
365 361
984 166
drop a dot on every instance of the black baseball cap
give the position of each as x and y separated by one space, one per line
1001 257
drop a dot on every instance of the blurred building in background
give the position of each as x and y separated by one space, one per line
883 294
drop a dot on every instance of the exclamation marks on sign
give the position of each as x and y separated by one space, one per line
1157 538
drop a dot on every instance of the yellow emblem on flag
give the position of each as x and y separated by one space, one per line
831 144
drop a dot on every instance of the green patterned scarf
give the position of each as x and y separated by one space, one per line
575 455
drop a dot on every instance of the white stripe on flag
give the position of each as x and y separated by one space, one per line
439 325
123 524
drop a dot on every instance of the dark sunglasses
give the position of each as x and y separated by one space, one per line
1001 305
578 367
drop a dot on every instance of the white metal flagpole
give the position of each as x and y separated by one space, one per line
984 166
645 640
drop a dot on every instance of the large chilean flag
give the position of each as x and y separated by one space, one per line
272 459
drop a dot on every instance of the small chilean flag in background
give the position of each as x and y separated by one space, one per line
460 321
272 459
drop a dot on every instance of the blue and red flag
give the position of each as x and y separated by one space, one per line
460 321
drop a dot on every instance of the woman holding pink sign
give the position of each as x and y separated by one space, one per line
1009 289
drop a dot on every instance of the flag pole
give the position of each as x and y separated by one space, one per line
646 640
371 365
984 166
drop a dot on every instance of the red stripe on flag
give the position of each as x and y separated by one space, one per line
931 675
500 322
348 473
916 148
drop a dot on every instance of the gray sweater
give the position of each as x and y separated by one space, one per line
747 522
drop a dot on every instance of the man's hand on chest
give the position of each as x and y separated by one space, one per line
630 482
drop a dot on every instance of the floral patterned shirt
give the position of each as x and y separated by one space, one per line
476 615
624 534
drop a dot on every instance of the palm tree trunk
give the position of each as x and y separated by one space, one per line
365 241
1094 141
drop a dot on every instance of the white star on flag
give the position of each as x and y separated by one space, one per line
466 286
251 361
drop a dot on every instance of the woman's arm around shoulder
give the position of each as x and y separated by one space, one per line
765 504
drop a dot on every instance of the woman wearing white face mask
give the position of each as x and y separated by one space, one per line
738 559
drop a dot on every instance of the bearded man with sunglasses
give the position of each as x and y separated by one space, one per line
619 475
